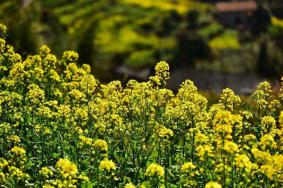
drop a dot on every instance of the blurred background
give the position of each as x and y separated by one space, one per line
216 43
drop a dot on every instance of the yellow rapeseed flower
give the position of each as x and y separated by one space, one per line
14 139
187 167
202 150
71 56
164 132
101 145
129 185
213 185
201 138
48 186
3 163
281 120
243 161
16 172
107 165
267 141
268 170
231 147
2 45
229 99
18 150
67 168
83 178
46 172
268 123
3 28
161 73
2 177
223 122
44 50
154 170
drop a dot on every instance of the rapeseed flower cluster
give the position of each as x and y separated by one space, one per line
107 165
66 168
129 185
154 170
61 127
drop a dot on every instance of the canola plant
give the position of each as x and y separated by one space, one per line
60 127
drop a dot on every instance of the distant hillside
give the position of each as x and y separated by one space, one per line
137 33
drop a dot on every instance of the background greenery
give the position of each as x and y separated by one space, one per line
111 33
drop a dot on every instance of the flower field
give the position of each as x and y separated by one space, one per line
61 127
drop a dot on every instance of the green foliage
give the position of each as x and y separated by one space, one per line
211 30
137 33
228 40
132 30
